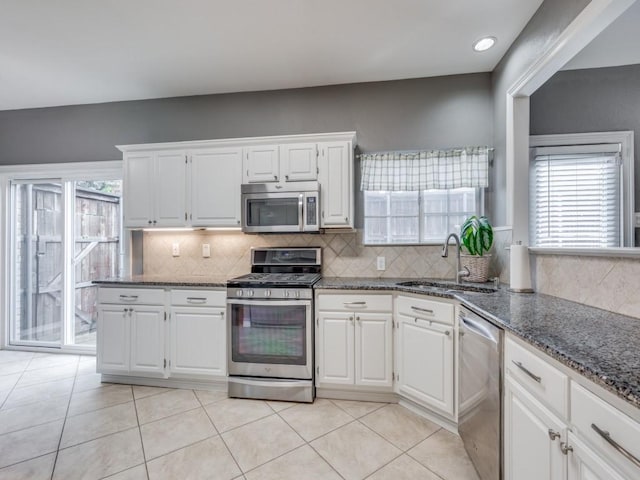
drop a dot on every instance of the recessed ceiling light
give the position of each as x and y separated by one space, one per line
484 43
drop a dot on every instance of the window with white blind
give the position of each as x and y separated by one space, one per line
577 194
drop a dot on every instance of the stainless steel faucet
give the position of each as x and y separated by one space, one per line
445 253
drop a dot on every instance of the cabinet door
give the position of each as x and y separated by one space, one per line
113 339
147 341
139 189
585 464
170 190
198 341
299 162
216 176
425 362
529 451
335 351
261 164
336 184
373 355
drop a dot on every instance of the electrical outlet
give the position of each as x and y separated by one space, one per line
175 249
381 263
206 250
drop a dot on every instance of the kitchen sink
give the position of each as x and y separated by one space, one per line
446 287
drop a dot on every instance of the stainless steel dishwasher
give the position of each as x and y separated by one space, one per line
480 393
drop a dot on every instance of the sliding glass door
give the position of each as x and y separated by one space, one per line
65 235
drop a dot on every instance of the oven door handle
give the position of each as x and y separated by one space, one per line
272 303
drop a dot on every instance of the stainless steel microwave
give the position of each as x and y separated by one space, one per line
281 208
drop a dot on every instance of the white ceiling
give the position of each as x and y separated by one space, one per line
68 52
618 44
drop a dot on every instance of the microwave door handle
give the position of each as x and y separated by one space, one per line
301 212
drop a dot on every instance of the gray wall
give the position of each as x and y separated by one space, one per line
407 114
591 100
545 26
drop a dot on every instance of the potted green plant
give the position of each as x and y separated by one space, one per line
476 235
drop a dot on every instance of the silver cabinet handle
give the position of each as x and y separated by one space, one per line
275 177
286 177
607 438
447 333
362 304
524 369
196 300
358 318
424 310
565 448
222 314
128 298
553 435
351 319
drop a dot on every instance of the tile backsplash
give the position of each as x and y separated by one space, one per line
343 255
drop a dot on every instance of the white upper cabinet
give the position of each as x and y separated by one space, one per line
216 175
197 184
261 164
335 167
299 162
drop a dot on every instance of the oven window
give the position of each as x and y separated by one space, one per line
269 334
268 212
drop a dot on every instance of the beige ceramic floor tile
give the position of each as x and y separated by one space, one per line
315 419
444 454
7 382
165 404
210 396
261 441
14 366
49 360
90 425
203 460
135 473
101 457
279 406
303 462
234 412
141 391
38 393
87 365
400 426
14 356
88 382
358 409
178 431
29 443
36 469
355 451
404 468
98 398
17 418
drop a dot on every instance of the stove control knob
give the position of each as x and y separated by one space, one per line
298 294
267 293
250 293
286 293
239 293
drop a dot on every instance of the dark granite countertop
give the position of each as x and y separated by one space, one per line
601 345
214 281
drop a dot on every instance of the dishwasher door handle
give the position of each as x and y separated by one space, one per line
479 329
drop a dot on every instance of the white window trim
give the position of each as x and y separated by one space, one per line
625 139
108 170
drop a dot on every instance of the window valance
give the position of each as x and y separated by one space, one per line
426 170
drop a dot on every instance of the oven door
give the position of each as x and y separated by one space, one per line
270 338
272 212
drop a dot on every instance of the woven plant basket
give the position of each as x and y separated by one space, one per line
478 266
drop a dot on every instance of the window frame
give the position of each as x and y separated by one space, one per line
63 172
421 214
625 140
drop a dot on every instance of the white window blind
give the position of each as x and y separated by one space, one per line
576 196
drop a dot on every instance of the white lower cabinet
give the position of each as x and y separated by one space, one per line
533 438
198 341
131 340
586 464
425 353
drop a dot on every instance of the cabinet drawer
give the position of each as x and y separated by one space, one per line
205 298
132 296
540 378
355 302
588 413
425 309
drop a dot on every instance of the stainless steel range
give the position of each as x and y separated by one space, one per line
270 339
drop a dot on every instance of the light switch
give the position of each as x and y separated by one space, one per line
206 250
175 250
381 263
